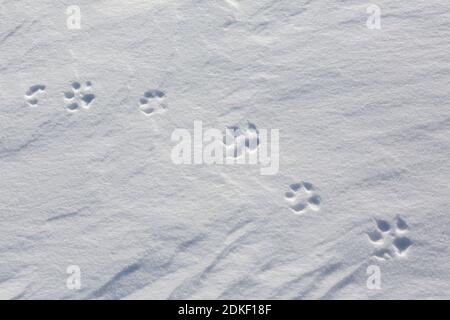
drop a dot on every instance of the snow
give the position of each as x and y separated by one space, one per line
364 120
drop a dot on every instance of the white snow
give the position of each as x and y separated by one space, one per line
364 120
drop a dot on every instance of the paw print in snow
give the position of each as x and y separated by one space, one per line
152 102
303 196
390 242
79 96
32 93
241 138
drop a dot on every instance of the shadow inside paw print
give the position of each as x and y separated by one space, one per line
303 196
241 138
152 102
32 93
79 96
390 241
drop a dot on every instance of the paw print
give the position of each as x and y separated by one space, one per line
390 242
239 139
79 96
32 93
152 102
302 197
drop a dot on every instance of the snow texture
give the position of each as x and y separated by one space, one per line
86 120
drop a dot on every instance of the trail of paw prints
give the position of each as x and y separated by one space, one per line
390 241
31 96
241 138
79 96
152 102
302 197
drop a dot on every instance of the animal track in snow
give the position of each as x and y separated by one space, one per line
152 102
302 196
241 138
32 93
390 241
79 96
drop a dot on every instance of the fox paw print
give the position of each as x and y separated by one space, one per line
302 196
152 102
390 240
79 96
32 94
241 138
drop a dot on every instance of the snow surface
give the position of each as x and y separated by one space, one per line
363 116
